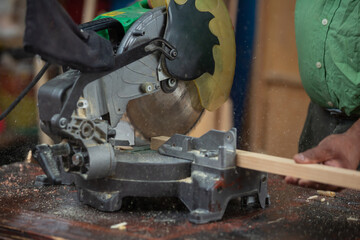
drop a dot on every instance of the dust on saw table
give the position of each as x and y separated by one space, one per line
32 212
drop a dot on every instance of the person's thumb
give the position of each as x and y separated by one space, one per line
314 155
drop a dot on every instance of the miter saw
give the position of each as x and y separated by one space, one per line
171 60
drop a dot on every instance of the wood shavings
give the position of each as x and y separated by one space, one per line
312 197
275 221
124 148
29 158
323 200
326 193
186 180
119 226
352 219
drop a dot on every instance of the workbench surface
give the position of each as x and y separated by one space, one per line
52 212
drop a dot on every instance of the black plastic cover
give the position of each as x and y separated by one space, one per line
188 31
51 33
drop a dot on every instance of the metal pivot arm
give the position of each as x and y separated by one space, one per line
130 56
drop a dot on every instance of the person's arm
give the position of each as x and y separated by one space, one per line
338 150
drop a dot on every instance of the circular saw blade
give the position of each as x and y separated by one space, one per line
160 114
164 114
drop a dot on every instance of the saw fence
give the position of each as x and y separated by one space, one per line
287 167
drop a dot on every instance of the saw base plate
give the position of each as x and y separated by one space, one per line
201 172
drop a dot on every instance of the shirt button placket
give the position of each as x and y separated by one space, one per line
325 23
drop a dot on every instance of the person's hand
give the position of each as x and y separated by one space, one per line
338 150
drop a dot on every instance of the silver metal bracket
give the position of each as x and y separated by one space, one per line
215 149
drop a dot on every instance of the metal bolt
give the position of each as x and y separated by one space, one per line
211 153
63 123
173 53
147 87
229 137
82 103
77 159
138 32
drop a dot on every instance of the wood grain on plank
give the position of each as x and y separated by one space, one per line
287 167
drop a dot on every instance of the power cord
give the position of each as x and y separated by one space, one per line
25 91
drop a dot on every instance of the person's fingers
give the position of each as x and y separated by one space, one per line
315 185
291 180
335 163
308 184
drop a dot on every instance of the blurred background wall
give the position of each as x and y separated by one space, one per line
267 105
277 103
16 71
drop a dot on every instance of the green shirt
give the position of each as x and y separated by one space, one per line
328 44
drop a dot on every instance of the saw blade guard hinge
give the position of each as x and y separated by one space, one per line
163 46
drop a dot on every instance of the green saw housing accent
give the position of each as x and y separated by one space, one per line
126 16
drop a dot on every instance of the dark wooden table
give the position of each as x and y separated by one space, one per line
30 212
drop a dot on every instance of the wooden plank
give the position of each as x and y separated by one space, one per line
156 142
287 167
284 166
